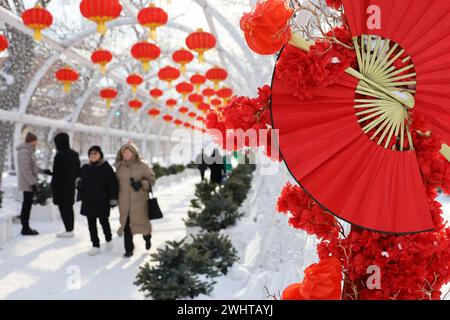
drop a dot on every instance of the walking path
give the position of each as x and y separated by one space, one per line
45 267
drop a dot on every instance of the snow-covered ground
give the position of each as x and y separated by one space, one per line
272 254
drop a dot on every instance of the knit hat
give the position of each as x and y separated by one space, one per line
30 137
96 149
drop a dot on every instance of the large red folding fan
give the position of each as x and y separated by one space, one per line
350 146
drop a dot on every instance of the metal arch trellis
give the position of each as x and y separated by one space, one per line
62 50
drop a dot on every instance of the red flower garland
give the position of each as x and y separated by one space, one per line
320 67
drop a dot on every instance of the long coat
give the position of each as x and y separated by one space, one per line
217 167
66 169
98 187
28 170
134 204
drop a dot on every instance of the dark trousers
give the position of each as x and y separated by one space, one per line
202 174
68 217
128 237
104 222
26 209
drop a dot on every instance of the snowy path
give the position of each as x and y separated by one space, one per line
45 267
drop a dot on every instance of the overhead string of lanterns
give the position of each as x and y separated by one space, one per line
102 12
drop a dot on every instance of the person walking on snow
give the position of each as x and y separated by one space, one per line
135 179
98 192
201 164
217 167
66 169
28 171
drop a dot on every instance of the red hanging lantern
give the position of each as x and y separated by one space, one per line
209 93
145 52
167 118
100 12
200 42
195 99
38 19
169 74
3 43
187 125
184 88
134 80
216 102
197 80
66 75
203 107
182 57
135 104
108 94
200 118
154 112
225 94
102 58
171 103
192 115
216 75
183 110
152 17
156 93
178 122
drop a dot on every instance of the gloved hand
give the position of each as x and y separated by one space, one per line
136 185
113 203
48 172
35 188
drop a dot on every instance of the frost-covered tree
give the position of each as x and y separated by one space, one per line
14 74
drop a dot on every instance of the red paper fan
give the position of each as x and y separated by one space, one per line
349 146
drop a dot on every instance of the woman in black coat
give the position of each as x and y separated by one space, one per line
98 192
66 169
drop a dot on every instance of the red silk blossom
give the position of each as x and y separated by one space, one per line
320 67
322 281
243 113
412 267
266 27
305 214
335 4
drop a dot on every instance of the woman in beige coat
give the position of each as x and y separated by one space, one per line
135 178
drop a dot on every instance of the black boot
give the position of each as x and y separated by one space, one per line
29 232
128 254
148 241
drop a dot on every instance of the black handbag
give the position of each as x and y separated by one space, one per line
154 211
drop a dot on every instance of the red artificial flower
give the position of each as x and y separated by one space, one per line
335 4
305 214
322 281
266 27
320 67
242 115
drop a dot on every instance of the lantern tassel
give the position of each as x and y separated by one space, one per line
197 88
66 86
37 34
201 57
183 68
103 69
134 90
153 34
216 85
146 66
101 27
108 103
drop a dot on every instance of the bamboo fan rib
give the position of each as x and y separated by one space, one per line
384 94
